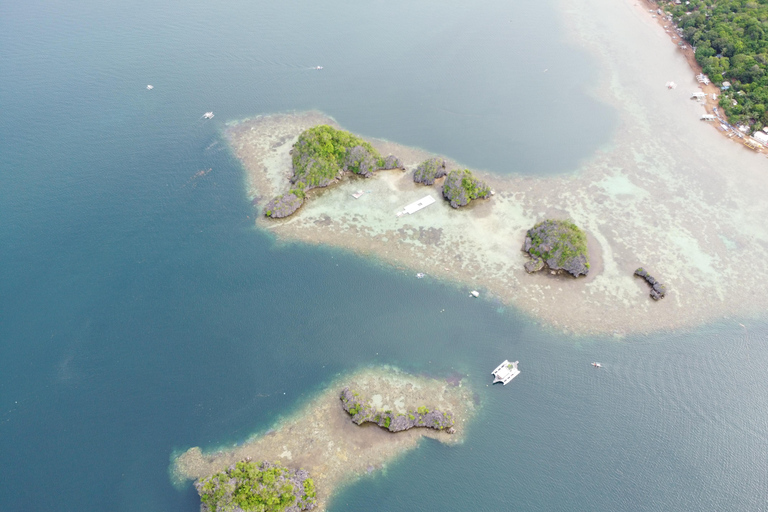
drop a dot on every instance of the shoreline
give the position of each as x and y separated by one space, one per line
710 106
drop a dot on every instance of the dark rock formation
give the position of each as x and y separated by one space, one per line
460 187
363 412
283 206
558 245
429 170
658 290
269 486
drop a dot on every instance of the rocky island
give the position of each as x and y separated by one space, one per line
658 290
250 487
323 155
461 187
317 448
557 245
429 170
362 411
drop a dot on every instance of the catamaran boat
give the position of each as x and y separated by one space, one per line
597 365
505 372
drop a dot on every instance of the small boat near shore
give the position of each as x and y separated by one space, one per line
505 372
208 115
597 365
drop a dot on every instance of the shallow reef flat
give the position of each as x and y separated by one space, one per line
696 225
321 438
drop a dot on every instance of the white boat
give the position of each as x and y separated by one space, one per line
597 365
150 87
318 67
208 115
358 194
420 275
474 293
505 372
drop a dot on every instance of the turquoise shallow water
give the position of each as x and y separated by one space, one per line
140 312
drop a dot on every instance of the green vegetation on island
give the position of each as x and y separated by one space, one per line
461 187
558 244
320 156
250 487
730 38
363 411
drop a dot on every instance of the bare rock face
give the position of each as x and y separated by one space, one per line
363 412
658 290
283 206
558 245
429 170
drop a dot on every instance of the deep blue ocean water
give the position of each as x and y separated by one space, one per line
141 313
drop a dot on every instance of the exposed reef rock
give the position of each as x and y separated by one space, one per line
461 187
658 290
362 411
246 486
429 170
320 157
558 245
283 206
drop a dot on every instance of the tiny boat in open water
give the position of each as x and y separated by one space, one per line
597 365
150 87
208 115
505 372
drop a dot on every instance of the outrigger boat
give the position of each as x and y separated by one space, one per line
505 372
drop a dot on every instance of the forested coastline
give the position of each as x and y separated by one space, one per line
730 38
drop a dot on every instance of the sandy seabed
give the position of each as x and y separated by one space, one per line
321 438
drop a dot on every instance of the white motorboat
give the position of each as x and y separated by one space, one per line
597 365
505 372
208 115
150 87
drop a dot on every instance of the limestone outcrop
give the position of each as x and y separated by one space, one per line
461 187
557 245
658 290
362 411
283 206
429 170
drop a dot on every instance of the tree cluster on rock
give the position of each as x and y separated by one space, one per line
429 170
363 412
460 187
658 290
250 487
320 156
559 245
